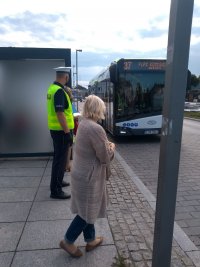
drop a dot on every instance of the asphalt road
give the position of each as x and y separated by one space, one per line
142 155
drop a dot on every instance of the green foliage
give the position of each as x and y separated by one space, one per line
194 80
119 262
192 114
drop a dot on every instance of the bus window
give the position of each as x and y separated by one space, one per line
125 98
157 98
138 94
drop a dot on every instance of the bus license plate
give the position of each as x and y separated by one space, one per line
151 132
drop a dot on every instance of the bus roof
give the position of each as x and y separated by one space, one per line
104 73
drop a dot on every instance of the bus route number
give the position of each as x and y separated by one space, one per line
127 65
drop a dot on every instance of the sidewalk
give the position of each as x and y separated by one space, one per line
32 224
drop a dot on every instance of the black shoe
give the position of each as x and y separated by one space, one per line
64 184
61 195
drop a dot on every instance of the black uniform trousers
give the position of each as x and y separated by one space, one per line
61 146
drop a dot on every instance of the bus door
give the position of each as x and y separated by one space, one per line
110 106
106 101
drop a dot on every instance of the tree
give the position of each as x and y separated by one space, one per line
194 80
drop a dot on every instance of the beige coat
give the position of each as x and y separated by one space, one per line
91 163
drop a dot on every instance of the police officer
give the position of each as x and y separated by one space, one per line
60 122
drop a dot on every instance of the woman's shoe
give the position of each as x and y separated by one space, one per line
68 169
76 254
98 242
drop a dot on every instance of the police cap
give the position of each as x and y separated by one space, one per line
62 69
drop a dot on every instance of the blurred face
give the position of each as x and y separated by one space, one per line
63 78
67 78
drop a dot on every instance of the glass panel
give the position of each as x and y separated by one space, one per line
23 114
139 94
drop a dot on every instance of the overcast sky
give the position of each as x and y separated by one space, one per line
105 30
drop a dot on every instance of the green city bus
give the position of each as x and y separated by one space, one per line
132 90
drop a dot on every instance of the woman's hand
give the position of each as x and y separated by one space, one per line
111 146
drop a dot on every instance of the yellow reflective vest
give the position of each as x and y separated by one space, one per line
53 122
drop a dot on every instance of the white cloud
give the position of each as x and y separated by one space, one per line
93 25
195 40
196 22
130 27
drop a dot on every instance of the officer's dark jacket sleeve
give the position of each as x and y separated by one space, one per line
60 101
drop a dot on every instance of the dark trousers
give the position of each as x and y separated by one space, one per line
61 146
77 226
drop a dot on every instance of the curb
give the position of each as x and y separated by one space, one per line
192 119
179 235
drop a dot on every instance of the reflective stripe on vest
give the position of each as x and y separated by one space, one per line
53 122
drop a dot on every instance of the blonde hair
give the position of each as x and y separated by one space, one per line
94 108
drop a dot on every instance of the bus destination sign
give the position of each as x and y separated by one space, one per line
144 65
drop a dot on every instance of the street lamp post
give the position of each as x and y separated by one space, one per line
74 73
77 50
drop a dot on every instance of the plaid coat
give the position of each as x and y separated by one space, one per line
90 170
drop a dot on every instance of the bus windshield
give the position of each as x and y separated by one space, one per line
139 94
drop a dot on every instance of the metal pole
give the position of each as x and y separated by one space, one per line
73 76
77 80
77 50
76 68
174 97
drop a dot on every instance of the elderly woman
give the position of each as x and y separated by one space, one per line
90 170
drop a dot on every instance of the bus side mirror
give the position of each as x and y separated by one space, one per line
113 73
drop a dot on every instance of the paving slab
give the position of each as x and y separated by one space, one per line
21 172
17 194
45 180
47 234
43 194
103 256
50 210
27 163
14 212
128 229
195 256
9 236
6 258
49 165
19 181
47 171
